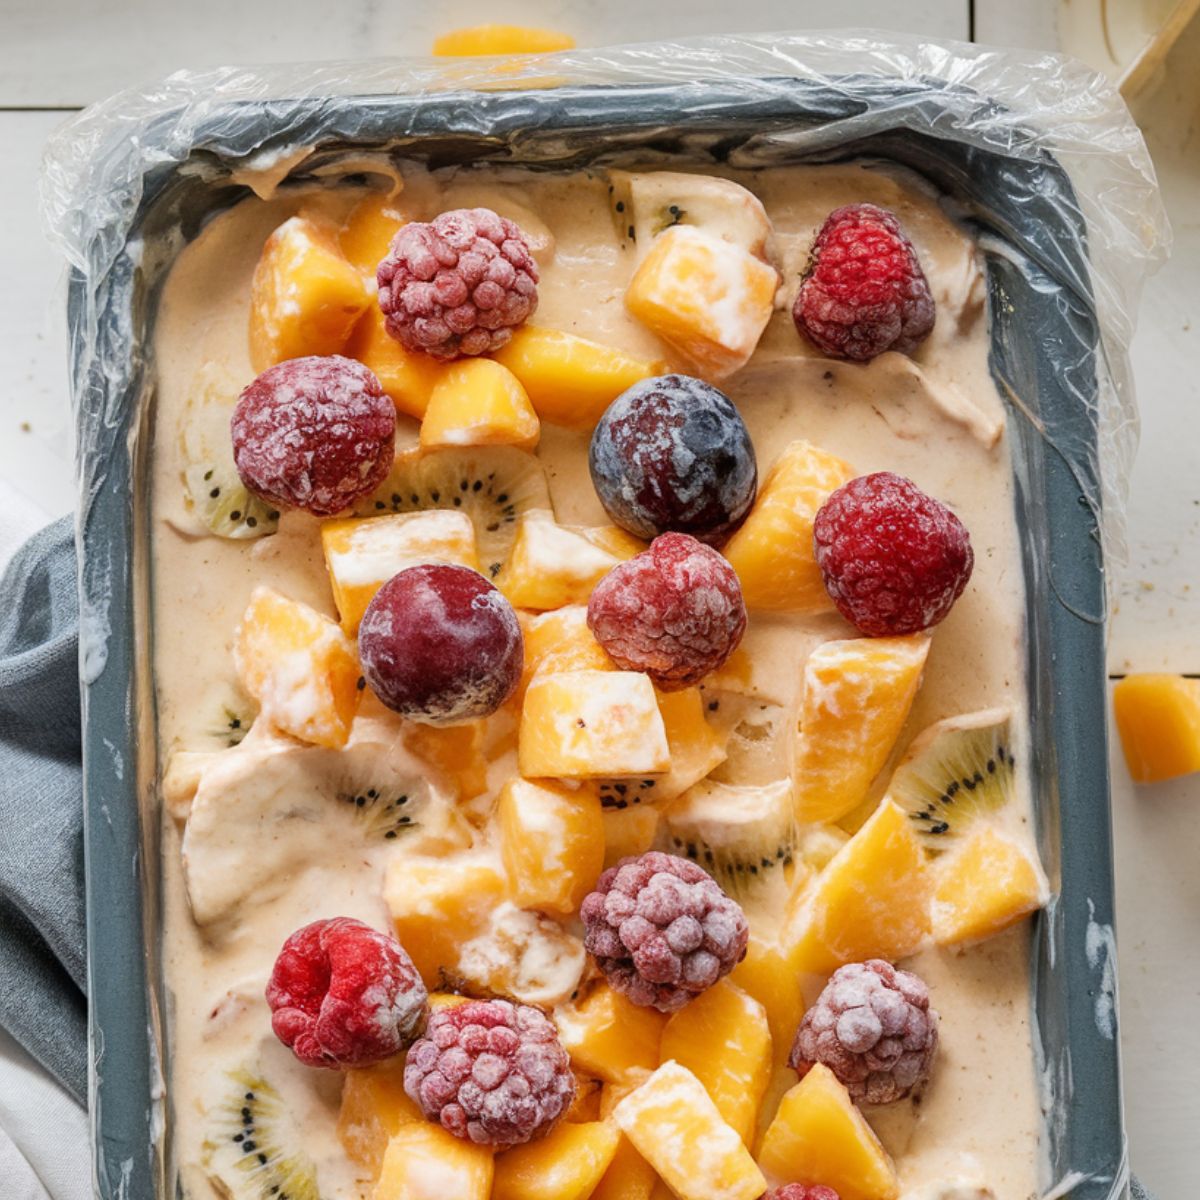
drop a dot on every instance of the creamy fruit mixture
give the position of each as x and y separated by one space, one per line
292 794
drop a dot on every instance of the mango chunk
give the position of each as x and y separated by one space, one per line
456 752
772 552
629 1176
363 553
769 975
550 566
854 700
424 1162
592 724
374 1108
482 40
566 1164
1158 718
986 886
305 297
299 666
571 381
819 1136
628 832
366 234
704 296
408 377
477 402
561 641
697 748
609 1037
586 1105
871 901
676 1127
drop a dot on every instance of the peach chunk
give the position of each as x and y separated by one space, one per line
374 1108
299 666
769 975
477 402
610 1037
482 40
366 234
408 377
424 1162
566 1164
305 297
550 566
1158 718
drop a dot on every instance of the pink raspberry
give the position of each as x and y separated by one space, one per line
674 611
345 995
314 433
491 1072
459 284
893 559
662 930
873 1028
864 291
802 1191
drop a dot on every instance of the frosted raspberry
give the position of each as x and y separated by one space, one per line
873 1028
802 1191
314 433
662 930
674 611
491 1072
864 291
345 995
893 559
459 284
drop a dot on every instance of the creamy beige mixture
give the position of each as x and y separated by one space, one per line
256 877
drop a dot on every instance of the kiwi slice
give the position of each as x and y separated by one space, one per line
382 813
756 750
493 485
955 774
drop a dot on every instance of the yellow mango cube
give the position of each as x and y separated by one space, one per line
571 381
620 544
566 1164
586 1105
407 376
483 40
456 752
819 1136
299 666
1158 718
769 975
724 1039
363 553
366 234
871 901
424 1162
984 887
374 1108
590 725
477 402
629 1176
697 748
305 297
561 641
772 552
676 1127
704 296
628 832
609 1037
552 844
855 697
550 566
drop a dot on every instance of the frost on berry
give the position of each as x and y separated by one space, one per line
457 285
343 994
662 930
675 611
491 1072
873 1028
802 1191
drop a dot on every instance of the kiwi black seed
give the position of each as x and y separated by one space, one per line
382 815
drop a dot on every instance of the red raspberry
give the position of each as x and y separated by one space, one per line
893 559
344 995
802 1191
873 1028
491 1072
674 611
457 285
314 433
662 930
864 291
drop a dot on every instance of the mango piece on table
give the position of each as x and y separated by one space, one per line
299 666
374 1108
550 566
305 297
854 700
1158 718
366 234
704 296
363 553
608 1037
676 1127
769 975
772 552
871 901
407 376
628 832
566 1164
571 381
478 402
482 40
455 751
424 1162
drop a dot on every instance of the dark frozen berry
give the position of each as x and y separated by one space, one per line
802 1191
674 611
314 433
491 1072
673 454
893 559
864 291
440 644
662 930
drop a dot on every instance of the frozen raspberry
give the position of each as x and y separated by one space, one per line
864 291
674 611
802 1191
662 930
491 1072
440 644
873 1028
314 433
893 559
345 995
457 285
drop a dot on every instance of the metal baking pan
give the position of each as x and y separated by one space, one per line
1044 346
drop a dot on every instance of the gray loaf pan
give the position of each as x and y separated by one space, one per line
1044 346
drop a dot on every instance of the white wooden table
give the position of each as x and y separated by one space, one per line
58 54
